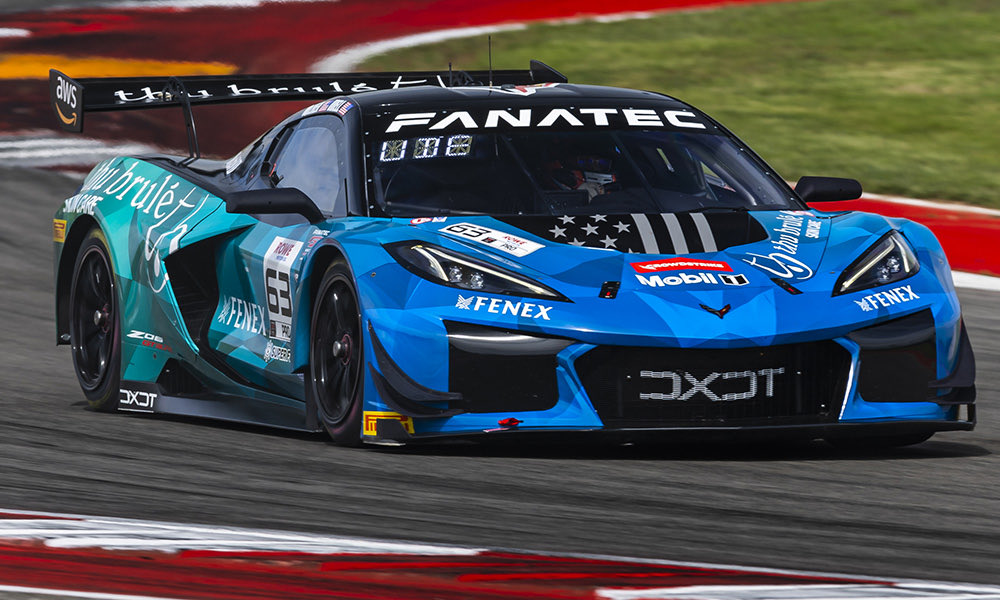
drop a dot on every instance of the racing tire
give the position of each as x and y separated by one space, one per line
879 442
336 356
95 324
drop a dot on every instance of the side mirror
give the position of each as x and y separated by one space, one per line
827 189
273 201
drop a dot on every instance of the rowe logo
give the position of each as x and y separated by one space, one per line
677 380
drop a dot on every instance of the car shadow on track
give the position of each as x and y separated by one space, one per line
729 451
572 449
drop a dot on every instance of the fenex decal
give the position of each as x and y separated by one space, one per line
505 242
887 298
241 314
499 306
277 281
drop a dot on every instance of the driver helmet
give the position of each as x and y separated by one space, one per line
588 172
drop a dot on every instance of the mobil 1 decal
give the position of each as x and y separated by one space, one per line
278 262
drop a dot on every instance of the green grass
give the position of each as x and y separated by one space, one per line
903 95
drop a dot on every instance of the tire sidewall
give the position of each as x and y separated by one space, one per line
346 432
104 397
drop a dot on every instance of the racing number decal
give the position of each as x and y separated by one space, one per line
279 298
277 282
501 240
467 230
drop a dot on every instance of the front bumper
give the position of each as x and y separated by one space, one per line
881 378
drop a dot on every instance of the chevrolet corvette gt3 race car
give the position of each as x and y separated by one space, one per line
423 255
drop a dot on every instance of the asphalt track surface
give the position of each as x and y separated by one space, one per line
927 512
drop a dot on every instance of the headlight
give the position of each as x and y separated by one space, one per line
440 265
888 260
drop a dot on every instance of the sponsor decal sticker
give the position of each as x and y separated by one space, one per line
692 278
785 240
499 306
422 220
136 401
241 314
553 117
335 105
233 163
83 204
499 240
58 230
278 353
680 264
683 386
789 234
163 209
517 90
150 340
780 264
886 298
67 95
813 228
317 235
371 419
277 282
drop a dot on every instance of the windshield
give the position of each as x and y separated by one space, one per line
569 172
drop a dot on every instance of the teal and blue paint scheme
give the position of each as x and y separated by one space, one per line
737 320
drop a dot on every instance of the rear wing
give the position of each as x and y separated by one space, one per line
72 98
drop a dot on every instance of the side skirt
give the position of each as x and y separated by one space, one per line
145 397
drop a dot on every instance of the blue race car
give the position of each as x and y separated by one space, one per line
424 255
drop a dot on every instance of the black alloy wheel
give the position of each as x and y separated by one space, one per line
336 356
95 331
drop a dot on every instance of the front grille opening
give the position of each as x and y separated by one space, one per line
502 370
667 387
898 374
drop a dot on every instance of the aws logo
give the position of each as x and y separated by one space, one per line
66 96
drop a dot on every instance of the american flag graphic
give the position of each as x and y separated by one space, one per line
666 233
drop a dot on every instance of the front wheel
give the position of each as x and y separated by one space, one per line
336 356
94 328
